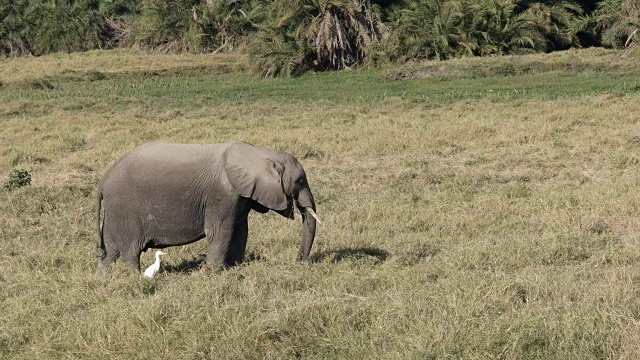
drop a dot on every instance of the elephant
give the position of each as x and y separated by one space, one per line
162 194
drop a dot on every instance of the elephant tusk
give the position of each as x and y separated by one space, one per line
313 213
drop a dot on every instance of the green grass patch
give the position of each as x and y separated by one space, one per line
171 88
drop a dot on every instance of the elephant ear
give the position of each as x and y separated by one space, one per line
253 175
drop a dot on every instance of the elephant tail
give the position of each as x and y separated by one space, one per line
102 250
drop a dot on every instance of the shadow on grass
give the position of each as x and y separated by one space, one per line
197 262
367 254
187 266
375 255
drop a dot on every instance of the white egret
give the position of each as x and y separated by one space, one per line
153 269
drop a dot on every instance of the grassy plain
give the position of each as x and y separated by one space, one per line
488 208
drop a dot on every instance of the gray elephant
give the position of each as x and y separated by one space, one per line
161 195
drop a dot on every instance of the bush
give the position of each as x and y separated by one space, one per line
558 22
436 29
119 20
17 179
167 26
428 29
190 25
229 23
13 28
43 27
63 26
273 54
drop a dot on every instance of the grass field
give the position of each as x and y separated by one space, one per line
484 209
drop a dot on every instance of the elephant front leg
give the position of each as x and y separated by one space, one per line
238 244
226 232
218 245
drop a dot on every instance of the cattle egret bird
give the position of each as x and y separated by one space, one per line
153 269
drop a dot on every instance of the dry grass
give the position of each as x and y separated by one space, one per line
483 227
573 61
122 63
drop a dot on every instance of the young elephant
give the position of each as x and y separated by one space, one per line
161 195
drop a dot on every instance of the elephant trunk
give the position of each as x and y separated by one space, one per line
307 208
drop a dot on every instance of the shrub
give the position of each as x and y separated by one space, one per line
17 179
12 29
63 26
428 29
274 54
167 26
559 22
228 23
119 20
43 27
190 25
437 29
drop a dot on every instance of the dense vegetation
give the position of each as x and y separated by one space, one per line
286 37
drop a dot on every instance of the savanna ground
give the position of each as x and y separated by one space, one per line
488 208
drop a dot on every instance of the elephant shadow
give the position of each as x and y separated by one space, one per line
197 262
369 254
187 266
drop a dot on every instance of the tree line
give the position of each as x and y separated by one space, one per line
289 37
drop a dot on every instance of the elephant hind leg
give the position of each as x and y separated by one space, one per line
123 234
109 256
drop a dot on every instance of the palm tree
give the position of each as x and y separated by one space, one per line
167 26
557 21
617 22
499 29
274 53
437 29
119 18
228 23
429 29
12 29
62 26
321 34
